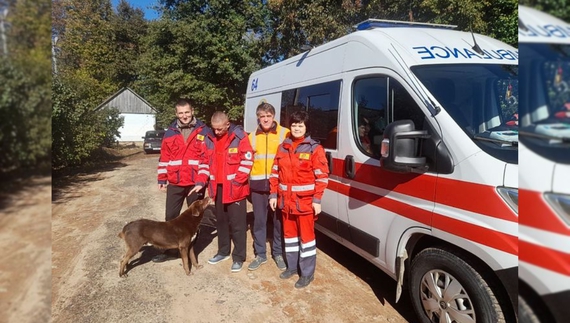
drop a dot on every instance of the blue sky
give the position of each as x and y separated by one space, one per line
145 5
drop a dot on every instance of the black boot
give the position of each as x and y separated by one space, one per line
288 273
170 254
304 281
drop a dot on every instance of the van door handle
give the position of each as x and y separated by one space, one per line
349 166
329 161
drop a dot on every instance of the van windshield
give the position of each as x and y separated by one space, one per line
482 99
545 114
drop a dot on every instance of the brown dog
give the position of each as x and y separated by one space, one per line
176 233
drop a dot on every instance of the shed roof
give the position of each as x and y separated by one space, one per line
128 101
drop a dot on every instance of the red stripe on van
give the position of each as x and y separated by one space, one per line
490 238
535 212
420 186
544 257
384 202
477 198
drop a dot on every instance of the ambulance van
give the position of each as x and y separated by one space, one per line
416 122
544 177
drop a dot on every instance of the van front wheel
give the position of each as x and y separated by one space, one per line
445 288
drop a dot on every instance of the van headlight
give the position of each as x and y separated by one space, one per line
511 196
560 203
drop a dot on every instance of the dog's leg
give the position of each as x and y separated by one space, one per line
193 258
128 255
184 255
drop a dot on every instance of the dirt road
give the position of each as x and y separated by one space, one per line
25 234
91 208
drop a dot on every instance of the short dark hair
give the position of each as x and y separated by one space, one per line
264 106
182 102
300 116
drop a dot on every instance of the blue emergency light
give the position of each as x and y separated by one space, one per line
381 23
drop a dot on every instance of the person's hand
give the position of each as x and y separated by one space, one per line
317 208
196 188
162 187
273 203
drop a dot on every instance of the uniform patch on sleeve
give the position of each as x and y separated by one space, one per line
248 155
233 150
200 137
306 156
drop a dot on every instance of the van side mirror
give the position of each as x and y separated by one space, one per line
401 147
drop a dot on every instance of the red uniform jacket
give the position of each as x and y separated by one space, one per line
299 178
181 162
238 156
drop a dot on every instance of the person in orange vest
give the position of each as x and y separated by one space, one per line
231 158
264 141
298 180
183 154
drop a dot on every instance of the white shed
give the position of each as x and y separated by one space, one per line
139 116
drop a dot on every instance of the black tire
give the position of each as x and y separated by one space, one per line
526 314
465 294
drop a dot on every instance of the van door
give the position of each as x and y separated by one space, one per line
321 100
380 205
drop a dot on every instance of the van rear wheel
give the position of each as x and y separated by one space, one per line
445 288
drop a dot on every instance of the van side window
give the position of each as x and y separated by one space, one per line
322 102
378 101
369 101
404 106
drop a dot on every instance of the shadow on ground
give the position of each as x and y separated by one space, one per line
105 160
383 286
13 182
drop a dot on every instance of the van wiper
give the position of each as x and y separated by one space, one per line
527 133
495 140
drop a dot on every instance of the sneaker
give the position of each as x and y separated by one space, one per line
288 274
258 261
162 257
236 266
217 258
304 281
280 262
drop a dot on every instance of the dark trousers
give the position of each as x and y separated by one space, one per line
231 223
175 196
261 212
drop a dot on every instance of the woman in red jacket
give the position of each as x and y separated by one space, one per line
298 180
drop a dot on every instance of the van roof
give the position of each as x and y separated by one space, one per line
538 27
427 45
384 47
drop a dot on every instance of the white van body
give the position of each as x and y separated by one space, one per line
461 202
544 224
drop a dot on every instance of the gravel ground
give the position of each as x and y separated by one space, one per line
90 208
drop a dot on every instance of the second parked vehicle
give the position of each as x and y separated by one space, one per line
153 141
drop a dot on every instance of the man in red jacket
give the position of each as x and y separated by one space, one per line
183 157
231 159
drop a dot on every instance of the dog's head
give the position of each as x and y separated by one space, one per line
197 207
